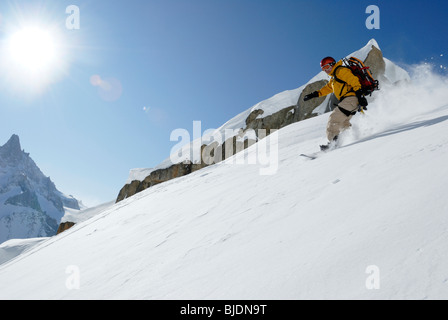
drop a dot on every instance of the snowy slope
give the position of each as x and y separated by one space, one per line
12 248
310 230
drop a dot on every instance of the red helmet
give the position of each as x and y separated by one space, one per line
327 61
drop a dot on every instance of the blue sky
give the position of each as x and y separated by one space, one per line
172 62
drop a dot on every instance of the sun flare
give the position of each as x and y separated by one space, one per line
33 49
32 57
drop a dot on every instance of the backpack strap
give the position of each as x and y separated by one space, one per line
339 80
334 74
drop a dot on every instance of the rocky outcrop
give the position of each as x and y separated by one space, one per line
233 145
64 226
162 175
375 62
306 108
275 121
128 190
156 177
210 154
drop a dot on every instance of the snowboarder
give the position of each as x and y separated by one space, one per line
347 89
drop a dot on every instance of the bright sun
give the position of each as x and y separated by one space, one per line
33 57
32 49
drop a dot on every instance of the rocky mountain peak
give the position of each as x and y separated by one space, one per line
30 204
12 150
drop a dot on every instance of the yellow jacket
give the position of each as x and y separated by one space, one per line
341 90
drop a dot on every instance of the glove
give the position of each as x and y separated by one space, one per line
361 99
310 96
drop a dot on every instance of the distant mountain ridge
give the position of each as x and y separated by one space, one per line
30 204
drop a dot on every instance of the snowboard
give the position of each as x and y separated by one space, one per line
311 156
315 155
